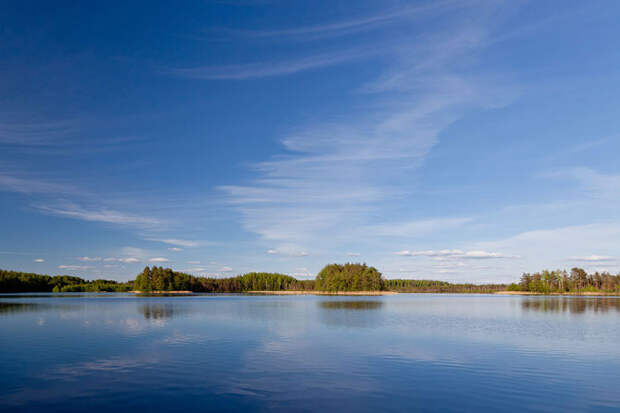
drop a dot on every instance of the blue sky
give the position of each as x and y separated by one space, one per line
453 140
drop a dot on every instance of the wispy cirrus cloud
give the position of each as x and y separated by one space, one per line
288 251
358 24
75 267
71 210
31 132
269 69
418 227
32 185
127 260
553 246
179 242
476 254
89 259
337 177
593 258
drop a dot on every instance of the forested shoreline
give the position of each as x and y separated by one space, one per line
23 282
332 278
561 281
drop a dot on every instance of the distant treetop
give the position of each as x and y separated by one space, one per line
349 277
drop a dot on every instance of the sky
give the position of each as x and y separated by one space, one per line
451 140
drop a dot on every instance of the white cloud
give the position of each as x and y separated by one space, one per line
339 175
226 269
39 260
89 259
455 254
29 185
179 242
128 260
175 249
288 251
418 227
302 272
600 186
550 248
159 259
593 258
98 215
74 267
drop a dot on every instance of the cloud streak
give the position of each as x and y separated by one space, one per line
593 258
270 69
179 242
476 254
74 211
337 177
75 267
346 27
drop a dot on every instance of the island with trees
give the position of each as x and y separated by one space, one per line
577 281
349 278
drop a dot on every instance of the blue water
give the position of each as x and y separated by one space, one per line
409 352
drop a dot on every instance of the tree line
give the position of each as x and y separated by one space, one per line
561 281
164 279
23 282
434 286
332 278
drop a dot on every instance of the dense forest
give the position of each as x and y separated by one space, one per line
164 279
349 277
332 278
21 282
433 286
578 280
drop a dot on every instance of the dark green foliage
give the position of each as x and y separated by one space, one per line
562 282
160 279
349 277
333 277
18 282
433 286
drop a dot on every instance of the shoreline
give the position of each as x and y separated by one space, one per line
583 293
380 293
310 292
161 292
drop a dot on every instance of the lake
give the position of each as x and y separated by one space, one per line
408 352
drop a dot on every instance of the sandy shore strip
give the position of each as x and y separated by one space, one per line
584 293
323 292
161 292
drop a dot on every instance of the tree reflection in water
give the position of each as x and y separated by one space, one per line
351 313
350 305
573 305
17 307
156 311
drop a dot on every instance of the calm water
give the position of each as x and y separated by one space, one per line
399 353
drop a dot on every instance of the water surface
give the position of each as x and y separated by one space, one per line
406 352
